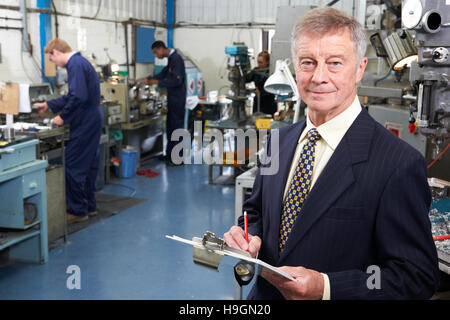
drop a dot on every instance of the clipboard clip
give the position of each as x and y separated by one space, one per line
210 251
212 242
215 250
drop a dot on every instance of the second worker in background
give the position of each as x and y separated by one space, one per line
264 101
173 78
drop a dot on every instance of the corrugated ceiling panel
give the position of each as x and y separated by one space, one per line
241 11
151 10
190 11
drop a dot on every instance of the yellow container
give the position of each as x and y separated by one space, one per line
263 123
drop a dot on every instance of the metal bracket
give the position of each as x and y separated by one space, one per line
209 257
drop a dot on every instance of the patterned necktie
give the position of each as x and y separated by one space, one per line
299 188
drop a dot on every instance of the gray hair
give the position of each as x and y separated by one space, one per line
321 21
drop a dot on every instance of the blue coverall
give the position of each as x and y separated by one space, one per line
81 109
173 78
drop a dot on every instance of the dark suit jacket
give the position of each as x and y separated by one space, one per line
368 207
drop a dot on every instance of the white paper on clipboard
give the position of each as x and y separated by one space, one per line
236 255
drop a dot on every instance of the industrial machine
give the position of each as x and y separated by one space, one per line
238 66
412 98
112 112
139 110
135 101
37 126
231 111
194 79
118 91
430 74
149 99
40 92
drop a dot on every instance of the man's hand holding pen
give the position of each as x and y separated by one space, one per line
308 284
235 238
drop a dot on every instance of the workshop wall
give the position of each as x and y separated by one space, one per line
206 47
244 11
17 65
94 36
83 34
208 26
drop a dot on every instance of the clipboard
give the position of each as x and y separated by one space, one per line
209 252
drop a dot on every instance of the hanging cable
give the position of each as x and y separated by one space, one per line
23 64
23 67
98 9
332 3
56 19
439 156
383 77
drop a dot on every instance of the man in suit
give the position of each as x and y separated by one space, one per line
173 78
347 213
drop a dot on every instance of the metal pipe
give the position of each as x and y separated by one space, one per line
23 11
11 28
125 28
383 77
49 11
426 102
7 18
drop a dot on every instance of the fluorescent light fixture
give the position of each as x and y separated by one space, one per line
114 67
281 82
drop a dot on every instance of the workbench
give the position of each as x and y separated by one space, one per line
134 133
221 178
440 215
22 186
444 261
51 147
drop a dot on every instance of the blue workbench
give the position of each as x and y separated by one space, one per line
23 184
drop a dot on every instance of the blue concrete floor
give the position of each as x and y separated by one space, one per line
127 255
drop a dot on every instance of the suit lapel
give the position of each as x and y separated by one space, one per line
336 177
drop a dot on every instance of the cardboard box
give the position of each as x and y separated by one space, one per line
49 67
9 98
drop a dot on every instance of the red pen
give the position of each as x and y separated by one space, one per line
246 226
441 238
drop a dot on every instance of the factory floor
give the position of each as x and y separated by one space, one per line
127 256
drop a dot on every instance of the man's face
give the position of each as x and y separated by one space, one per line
158 52
57 57
327 73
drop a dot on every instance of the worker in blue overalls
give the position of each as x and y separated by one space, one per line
173 78
81 109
